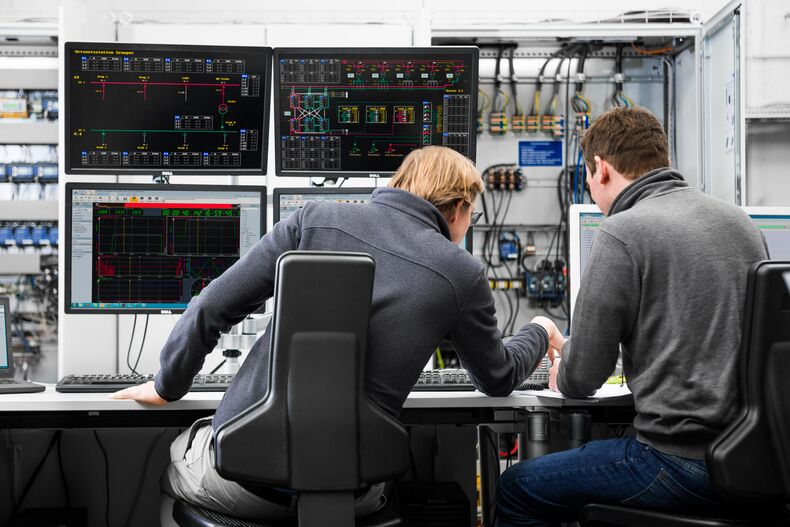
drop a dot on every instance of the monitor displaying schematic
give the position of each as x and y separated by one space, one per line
166 109
360 111
136 248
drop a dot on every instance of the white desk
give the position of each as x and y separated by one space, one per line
53 401
54 410
74 410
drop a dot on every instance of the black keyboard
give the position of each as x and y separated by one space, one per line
111 383
456 379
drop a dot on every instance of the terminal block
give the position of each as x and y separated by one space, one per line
519 123
498 123
504 178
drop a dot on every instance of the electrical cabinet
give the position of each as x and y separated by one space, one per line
542 84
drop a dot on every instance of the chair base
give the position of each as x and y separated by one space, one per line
188 515
596 515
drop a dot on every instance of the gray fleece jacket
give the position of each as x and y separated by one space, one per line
425 288
666 277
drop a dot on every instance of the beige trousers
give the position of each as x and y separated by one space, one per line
192 476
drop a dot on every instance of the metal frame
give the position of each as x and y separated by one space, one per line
472 53
69 47
712 26
70 187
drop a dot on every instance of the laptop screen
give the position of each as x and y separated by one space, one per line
5 337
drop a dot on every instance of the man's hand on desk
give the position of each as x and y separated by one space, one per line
553 372
142 393
556 340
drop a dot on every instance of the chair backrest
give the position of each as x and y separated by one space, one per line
751 458
316 430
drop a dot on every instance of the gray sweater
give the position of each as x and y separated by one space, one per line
666 277
425 288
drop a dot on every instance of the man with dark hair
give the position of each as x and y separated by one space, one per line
665 281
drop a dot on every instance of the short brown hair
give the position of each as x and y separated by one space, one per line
439 175
630 139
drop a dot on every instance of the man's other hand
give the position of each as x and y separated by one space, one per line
142 393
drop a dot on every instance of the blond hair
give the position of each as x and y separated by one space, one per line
439 175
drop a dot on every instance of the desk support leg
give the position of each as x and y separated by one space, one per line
536 441
578 428
489 471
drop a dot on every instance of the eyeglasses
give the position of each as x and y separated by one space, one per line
475 217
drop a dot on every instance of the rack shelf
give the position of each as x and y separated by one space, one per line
26 132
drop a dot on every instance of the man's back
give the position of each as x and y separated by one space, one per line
425 288
682 258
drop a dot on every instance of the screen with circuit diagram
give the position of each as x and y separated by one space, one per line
359 112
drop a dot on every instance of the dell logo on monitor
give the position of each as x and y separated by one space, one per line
165 312
373 174
167 173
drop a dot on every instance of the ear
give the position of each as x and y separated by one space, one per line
603 168
455 213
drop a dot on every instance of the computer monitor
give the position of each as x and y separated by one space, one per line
774 223
165 109
289 200
6 362
583 222
137 248
359 111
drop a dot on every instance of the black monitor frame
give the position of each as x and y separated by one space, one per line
276 193
66 111
139 186
434 51
312 190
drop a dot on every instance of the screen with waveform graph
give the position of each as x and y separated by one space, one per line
151 248
360 111
166 109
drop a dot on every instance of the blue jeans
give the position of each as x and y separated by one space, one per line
553 488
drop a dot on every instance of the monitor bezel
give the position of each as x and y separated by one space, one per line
574 246
264 143
276 193
469 237
7 371
473 51
70 187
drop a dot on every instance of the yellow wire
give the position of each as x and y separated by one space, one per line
628 101
585 100
486 102
536 102
507 100
553 105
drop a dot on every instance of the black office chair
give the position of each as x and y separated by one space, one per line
750 461
315 431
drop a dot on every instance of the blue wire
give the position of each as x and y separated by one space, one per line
575 182
580 180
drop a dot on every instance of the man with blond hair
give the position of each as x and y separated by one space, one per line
426 287
666 281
